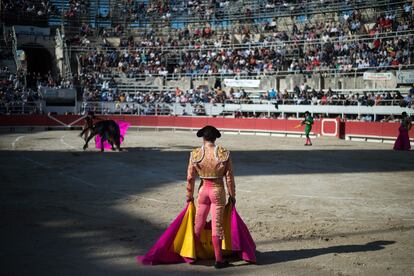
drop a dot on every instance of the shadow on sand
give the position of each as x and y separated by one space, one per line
270 257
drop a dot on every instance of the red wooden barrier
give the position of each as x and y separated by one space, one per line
375 129
330 127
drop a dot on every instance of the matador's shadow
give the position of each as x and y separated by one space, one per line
271 257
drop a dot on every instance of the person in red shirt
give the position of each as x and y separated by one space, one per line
324 99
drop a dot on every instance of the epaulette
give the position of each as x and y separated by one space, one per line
197 155
222 154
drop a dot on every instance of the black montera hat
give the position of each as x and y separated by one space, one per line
209 131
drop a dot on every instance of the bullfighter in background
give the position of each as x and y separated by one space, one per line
403 139
308 122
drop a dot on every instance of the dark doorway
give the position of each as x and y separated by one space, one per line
39 63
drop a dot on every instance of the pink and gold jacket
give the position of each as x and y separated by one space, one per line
213 165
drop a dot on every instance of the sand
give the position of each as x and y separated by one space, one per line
336 208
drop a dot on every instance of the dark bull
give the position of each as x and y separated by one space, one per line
108 130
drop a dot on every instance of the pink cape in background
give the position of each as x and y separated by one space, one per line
162 251
123 127
403 140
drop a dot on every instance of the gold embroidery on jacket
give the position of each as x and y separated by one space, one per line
220 201
197 155
210 166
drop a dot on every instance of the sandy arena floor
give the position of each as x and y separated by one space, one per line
337 208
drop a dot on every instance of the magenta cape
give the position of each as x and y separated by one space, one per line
123 127
162 251
241 240
403 140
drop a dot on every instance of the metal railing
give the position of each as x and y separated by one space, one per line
252 45
323 102
325 72
20 107
239 105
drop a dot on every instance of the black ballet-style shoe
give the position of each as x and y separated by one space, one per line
219 265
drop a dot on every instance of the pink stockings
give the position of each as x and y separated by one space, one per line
217 249
211 195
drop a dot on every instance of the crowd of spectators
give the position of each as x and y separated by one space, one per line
29 8
36 80
187 9
76 8
250 49
134 11
43 8
304 95
14 96
138 10
305 48
107 91
159 102
97 89
130 10
301 48
339 51
25 88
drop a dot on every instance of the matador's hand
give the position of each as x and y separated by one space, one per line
232 200
189 199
